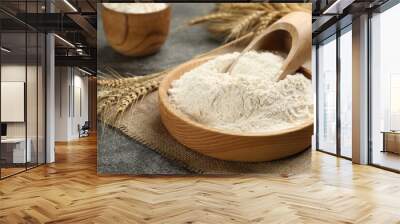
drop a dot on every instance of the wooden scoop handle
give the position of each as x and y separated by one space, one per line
298 24
292 35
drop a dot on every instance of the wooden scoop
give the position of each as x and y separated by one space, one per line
291 35
233 146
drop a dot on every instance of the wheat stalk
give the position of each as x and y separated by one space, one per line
115 96
265 21
243 26
212 16
117 83
234 20
134 95
240 6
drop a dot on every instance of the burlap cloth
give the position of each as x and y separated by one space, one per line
142 123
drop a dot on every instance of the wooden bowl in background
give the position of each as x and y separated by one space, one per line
248 147
136 34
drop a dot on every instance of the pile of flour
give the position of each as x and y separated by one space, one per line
136 8
249 99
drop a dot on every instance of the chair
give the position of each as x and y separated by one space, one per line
84 130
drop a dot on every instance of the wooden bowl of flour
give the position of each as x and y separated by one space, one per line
220 144
136 33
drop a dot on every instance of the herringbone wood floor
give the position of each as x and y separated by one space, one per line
69 191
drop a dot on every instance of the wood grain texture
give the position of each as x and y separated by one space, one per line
70 191
223 144
136 34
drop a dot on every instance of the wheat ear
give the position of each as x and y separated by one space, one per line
136 94
244 25
266 21
233 20
114 103
212 16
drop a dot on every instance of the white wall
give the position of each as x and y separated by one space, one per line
16 73
13 101
13 72
69 82
33 126
80 84
62 80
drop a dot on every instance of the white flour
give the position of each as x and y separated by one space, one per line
248 100
136 8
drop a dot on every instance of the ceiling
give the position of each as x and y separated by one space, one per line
39 6
332 15
16 42
73 20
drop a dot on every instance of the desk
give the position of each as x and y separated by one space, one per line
16 148
391 141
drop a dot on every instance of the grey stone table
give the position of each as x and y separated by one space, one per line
116 153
